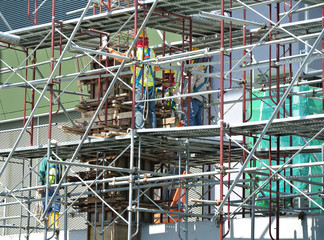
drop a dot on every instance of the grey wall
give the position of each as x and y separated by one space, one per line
310 228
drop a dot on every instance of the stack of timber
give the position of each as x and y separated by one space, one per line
115 116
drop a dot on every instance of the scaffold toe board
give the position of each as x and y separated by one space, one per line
305 126
312 1
203 150
66 148
110 22
190 7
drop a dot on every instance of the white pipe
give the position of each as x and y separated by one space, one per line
9 38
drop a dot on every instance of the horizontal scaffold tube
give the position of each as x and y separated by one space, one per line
149 177
171 212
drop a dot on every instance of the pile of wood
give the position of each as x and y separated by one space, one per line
115 117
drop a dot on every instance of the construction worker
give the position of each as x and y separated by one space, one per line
144 82
168 86
198 84
55 172
169 75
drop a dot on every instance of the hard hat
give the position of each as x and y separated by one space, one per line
194 49
169 71
141 35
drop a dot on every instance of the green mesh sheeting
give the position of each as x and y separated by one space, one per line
301 106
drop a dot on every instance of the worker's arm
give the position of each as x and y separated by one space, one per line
42 173
112 51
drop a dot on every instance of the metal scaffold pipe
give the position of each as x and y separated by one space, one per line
152 178
282 100
9 38
44 90
104 98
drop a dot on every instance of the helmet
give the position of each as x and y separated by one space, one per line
169 71
141 35
194 49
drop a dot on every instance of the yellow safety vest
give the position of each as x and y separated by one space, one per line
147 70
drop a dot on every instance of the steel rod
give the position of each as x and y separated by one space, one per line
282 100
43 92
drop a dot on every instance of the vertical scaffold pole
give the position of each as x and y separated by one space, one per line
130 196
30 166
186 191
278 138
65 208
271 118
323 94
50 84
221 122
244 103
134 66
131 160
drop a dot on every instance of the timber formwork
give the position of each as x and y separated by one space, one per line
126 177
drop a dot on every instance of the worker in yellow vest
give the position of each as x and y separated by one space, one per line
144 82
54 174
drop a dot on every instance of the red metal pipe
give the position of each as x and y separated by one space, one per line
107 81
189 75
32 121
270 54
221 120
35 15
25 96
108 5
175 48
182 66
31 132
250 89
99 32
270 192
99 84
244 105
134 65
290 105
230 45
143 43
9 47
52 67
163 72
32 103
60 69
94 10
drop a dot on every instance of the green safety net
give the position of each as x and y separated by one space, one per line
262 109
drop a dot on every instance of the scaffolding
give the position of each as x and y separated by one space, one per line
249 46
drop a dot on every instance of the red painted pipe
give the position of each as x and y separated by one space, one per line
221 120
28 12
134 65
